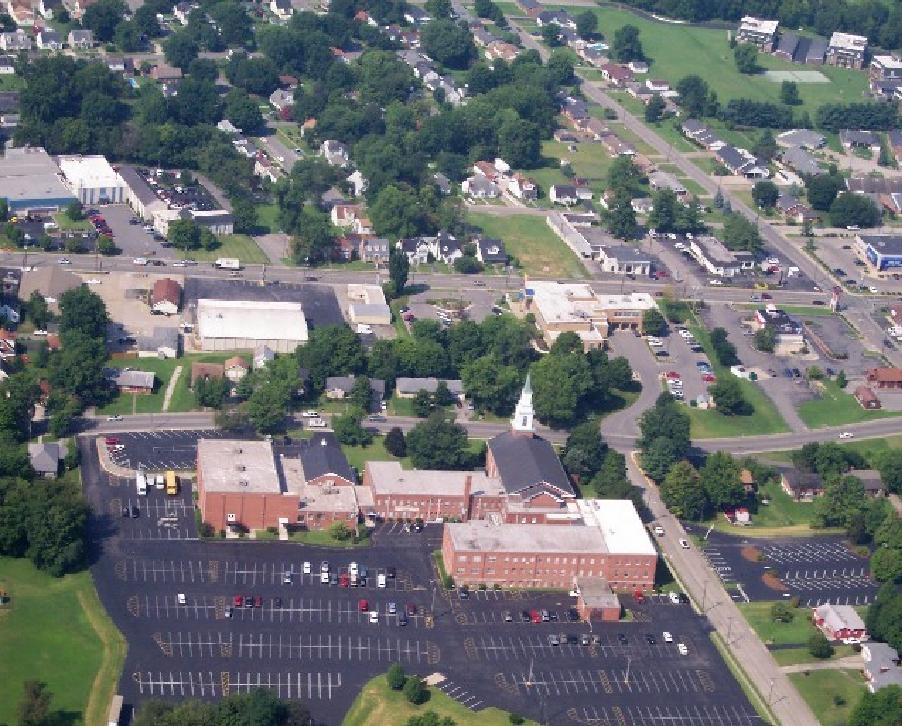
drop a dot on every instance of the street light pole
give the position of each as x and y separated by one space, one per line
626 679
770 693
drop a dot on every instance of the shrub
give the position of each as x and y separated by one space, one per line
396 677
415 691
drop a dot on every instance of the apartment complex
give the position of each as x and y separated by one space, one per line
758 32
846 50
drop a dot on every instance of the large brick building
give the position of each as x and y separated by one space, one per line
608 542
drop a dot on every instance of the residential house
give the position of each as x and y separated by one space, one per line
811 51
235 368
656 85
885 74
7 64
895 141
375 250
866 398
345 216
15 41
787 45
658 180
760 33
265 168
490 251
564 194
885 379
801 161
742 163
446 248
46 458
281 99
84 40
638 67
159 343
622 259
801 138
846 50
480 187
616 75
166 296
561 18
481 36
182 10
132 381
871 481
281 9
263 354
616 146
410 387
47 8
499 50
165 73
531 7
881 666
206 371
642 205
338 387
840 623
21 12
442 183
794 210
857 139
801 486
702 135
575 110
335 152
523 187
49 40
77 8
416 248
416 15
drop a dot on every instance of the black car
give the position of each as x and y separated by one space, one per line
584 639
277 602
402 619
662 353
126 511
133 221
333 579
136 512
573 615
684 598
248 601
839 271
796 373
524 616
464 593
507 616
572 639
622 638
311 278
650 639
391 572
553 615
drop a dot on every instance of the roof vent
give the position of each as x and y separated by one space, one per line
239 467
244 482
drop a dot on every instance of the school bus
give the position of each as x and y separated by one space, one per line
172 483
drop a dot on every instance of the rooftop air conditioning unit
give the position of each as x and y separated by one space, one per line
231 518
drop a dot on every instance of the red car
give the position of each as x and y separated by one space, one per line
536 616
237 601
411 609
344 581
363 606
112 441
258 601
766 296
673 374
709 378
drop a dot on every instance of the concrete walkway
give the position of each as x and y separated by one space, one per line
853 662
174 379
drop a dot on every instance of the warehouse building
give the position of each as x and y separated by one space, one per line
30 181
881 253
245 324
92 179
139 195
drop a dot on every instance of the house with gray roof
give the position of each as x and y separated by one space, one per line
881 666
128 380
801 161
339 387
802 138
46 458
857 139
159 343
410 387
323 462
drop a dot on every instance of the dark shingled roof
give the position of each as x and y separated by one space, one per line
526 462
321 455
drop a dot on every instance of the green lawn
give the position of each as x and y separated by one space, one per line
822 690
56 631
183 397
357 456
712 424
680 50
590 160
11 83
836 407
378 704
795 656
528 238
127 403
66 223
802 311
783 516
233 245
267 217
773 633
322 538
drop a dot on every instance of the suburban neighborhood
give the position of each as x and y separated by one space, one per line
451 362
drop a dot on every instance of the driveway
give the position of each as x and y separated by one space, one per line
131 238
636 351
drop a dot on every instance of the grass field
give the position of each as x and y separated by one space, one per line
378 704
868 448
773 633
528 238
783 516
56 631
267 216
822 690
66 223
357 456
183 397
679 50
712 424
836 407
233 245
322 538
590 160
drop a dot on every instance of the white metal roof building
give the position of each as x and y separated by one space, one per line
92 179
245 324
31 181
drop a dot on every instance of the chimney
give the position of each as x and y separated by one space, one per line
468 486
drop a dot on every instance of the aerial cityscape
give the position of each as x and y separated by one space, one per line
448 362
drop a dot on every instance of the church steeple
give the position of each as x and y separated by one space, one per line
522 422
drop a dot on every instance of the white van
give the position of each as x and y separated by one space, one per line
381 581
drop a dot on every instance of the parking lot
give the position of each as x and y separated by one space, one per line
815 569
175 602
132 239
160 450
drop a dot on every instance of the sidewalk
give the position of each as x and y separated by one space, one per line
853 662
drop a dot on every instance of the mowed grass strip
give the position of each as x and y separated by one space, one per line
836 407
529 238
832 694
56 631
378 704
233 245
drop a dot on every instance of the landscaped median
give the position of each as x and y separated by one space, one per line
56 631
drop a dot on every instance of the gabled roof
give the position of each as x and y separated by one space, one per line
321 455
45 457
414 385
528 464
166 289
206 370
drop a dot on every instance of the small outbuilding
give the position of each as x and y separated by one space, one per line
46 458
596 600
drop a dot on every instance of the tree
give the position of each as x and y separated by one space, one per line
551 34
682 493
438 444
665 420
34 708
398 212
395 677
841 380
491 385
624 177
340 531
842 497
430 718
398 270
819 646
746 57
694 96
75 211
728 397
741 234
854 210
781 612
414 689
789 93
822 189
241 110
653 322
331 350
102 17
560 384
620 217
395 443
886 565
658 457
584 453
654 109
422 404
438 8
519 143
83 312
361 394
719 478
448 43
881 708
105 245
586 24
267 406
627 46
724 350
180 49
765 194
765 339
348 430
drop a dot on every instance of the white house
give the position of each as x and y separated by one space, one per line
563 194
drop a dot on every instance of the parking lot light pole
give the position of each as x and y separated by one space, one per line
770 693
626 678
432 608
729 631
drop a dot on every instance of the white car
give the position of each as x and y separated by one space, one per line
286 578
668 638
655 343
324 566
679 246
685 333
353 569
40 332
676 383
682 649
117 417
382 581
178 263
324 578
92 281
658 530
306 568
139 261
181 598
873 290
674 598
684 544
374 616
716 283
64 261
847 435
310 414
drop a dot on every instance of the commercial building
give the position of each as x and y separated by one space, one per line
368 305
218 221
92 179
885 379
846 50
713 255
624 260
881 253
50 283
788 338
881 666
139 195
166 296
245 324
758 32
30 181
596 600
610 543
562 307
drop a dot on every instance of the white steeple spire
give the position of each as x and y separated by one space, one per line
522 421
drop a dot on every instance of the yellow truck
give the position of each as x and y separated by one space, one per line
172 483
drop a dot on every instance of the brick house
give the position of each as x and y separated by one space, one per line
839 622
885 379
801 486
866 398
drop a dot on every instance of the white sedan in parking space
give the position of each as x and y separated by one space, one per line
682 649
847 435
716 283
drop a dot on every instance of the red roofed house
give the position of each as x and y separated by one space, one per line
867 398
885 378
616 75
165 297
840 622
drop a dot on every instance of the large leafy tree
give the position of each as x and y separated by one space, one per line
448 43
719 478
627 46
438 444
560 383
682 492
491 385
332 350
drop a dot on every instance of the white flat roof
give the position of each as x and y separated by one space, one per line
619 522
251 319
847 41
758 25
237 466
89 171
387 477
886 61
575 302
